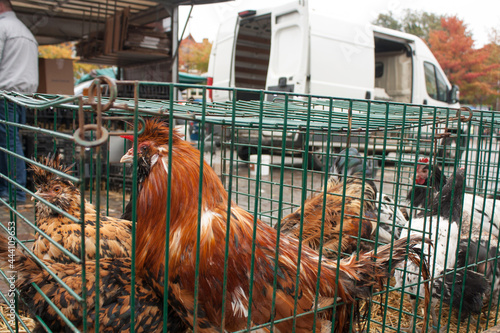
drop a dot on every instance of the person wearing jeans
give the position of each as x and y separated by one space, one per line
18 73
17 168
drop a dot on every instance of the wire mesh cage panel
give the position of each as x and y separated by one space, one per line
285 213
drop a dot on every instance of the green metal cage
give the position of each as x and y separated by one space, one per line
271 155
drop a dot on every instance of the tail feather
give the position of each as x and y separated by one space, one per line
360 277
450 197
373 268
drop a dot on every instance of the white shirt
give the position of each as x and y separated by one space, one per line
18 55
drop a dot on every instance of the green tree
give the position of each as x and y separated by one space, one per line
414 22
420 23
388 21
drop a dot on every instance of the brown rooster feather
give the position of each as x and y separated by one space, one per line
114 234
178 162
349 224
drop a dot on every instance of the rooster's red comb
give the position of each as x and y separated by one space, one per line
128 137
424 160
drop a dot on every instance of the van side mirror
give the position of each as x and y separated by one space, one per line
453 94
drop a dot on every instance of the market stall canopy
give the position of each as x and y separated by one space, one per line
192 78
111 73
55 21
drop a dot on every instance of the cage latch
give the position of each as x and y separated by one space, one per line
445 134
95 92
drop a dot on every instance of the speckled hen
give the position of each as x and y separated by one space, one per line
114 234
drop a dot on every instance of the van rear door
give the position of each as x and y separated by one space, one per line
251 54
221 59
289 58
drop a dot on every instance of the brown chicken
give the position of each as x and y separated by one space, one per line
114 285
351 217
250 264
115 275
114 234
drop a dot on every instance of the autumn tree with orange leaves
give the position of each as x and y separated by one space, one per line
493 77
464 65
475 70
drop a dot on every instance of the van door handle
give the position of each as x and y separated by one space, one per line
425 102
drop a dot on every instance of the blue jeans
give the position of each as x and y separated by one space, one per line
16 114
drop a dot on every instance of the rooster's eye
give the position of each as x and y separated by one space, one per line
57 189
144 148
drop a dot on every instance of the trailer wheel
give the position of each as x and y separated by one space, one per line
448 149
245 152
316 159
314 162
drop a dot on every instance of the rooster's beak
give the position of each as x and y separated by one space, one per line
128 157
33 198
41 194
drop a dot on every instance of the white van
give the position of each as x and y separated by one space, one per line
296 49
293 48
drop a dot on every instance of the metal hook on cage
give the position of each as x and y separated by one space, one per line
101 133
124 119
96 86
463 118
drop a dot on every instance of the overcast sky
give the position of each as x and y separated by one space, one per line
479 15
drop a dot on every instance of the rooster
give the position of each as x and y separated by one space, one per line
114 285
197 241
419 195
114 234
442 227
356 203
479 219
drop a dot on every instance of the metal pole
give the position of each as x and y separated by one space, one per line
175 45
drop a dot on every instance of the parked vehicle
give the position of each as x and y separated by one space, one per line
293 48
